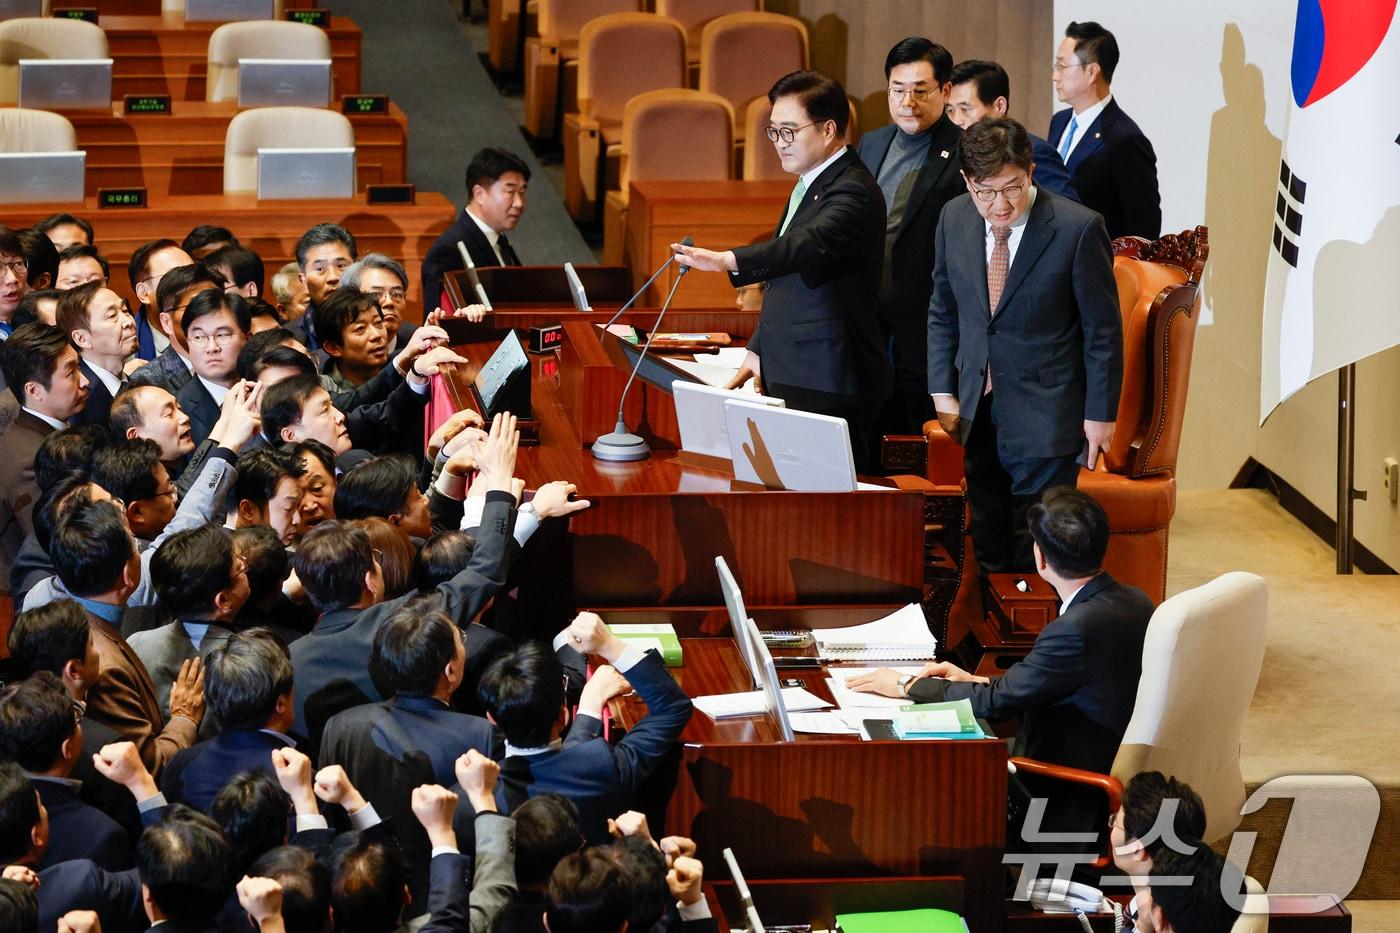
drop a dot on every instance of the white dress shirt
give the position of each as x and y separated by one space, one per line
1081 122
216 391
112 382
51 422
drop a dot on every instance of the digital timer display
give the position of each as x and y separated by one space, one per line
546 338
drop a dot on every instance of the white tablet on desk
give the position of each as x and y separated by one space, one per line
42 177
284 82
65 83
294 174
227 11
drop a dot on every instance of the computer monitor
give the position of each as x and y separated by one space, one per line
65 83
783 448
295 174
768 681
227 11
42 177
21 9
734 602
700 416
752 922
576 289
284 82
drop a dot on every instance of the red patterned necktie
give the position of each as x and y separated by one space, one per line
997 267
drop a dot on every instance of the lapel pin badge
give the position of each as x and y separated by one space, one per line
1097 135
944 153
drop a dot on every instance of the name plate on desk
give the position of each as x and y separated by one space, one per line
320 18
87 14
355 104
121 197
133 104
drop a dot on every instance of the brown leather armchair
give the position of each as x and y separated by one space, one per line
1159 295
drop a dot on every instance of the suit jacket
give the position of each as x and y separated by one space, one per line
167 370
31 564
443 257
394 425
163 650
99 400
601 778
104 794
331 661
817 336
81 885
1050 172
389 748
1115 172
80 830
904 305
1076 689
1055 341
18 490
125 698
195 401
196 775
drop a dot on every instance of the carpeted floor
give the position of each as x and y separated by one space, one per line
1327 687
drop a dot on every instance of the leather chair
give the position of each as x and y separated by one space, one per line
620 56
278 127
1159 296
258 39
28 130
40 37
693 15
551 60
667 134
742 54
1200 665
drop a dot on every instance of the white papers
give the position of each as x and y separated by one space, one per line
728 357
902 635
822 724
872 487
847 698
750 703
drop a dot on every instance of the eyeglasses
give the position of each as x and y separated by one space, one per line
1057 67
220 338
988 195
394 294
16 267
787 133
913 93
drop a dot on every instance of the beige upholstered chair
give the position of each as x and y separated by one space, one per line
25 130
673 133
694 14
37 37
742 54
551 59
277 127
258 39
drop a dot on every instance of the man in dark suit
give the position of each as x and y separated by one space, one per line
1076 689
414 737
1111 161
248 685
95 320
388 282
915 163
172 367
817 345
982 89
343 580
39 730
186 869
146 269
1025 342
496 182
43 372
524 694
216 327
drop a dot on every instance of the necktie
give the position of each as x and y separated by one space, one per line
793 202
997 267
507 254
1068 138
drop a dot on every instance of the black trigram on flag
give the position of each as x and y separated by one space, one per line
1288 213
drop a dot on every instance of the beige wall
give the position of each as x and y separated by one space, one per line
851 37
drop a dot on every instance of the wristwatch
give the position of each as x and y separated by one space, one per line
904 683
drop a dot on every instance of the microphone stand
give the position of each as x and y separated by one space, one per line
685 241
622 445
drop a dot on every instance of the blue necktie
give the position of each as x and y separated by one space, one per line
1068 138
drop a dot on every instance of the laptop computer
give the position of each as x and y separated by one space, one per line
65 83
754 650
227 11
284 82
42 177
291 174
21 9
700 414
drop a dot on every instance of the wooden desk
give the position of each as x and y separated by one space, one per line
541 286
183 152
739 325
270 228
162 54
718 214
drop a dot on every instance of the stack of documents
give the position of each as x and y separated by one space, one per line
949 720
902 635
730 705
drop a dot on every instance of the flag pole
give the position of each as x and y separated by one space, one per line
1347 494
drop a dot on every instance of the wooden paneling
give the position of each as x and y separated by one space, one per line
162 54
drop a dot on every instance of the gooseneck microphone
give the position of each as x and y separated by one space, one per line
685 241
622 445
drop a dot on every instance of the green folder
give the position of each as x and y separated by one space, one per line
660 636
928 920
907 724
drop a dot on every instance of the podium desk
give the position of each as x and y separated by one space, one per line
269 228
182 152
542 285
718 214
160 53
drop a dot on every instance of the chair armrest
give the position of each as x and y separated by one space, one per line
1110 785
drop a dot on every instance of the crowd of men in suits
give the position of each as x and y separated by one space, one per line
234 556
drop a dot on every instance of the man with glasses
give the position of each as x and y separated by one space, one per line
1025 343
216 327
14 278
388 282
914 160
171 369
817 345
1111 161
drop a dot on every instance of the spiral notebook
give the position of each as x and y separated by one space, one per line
903 635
